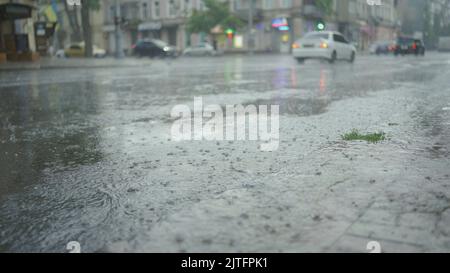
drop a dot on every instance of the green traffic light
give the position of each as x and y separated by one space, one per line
229 31
320 26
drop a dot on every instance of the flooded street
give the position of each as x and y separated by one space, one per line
86 155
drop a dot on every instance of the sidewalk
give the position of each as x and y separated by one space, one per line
56 63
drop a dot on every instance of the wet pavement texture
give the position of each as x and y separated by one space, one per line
86 155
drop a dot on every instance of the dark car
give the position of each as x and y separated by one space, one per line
406 45
382 47
154 48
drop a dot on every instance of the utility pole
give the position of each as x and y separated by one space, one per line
250 41
118 31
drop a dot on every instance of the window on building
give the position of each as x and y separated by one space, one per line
156 9
287 3
268 4
131 10
111 13
187 5
172 8
124 10
145 10
352 7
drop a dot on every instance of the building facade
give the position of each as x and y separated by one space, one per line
276 23
362 21
166 20
69 24
159 19
365 22
412 15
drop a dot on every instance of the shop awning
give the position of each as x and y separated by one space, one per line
13 11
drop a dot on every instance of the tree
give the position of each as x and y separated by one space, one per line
86 7
325 5
216 14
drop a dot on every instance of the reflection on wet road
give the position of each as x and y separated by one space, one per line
85 155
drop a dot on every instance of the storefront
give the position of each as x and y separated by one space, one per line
281 32
17 36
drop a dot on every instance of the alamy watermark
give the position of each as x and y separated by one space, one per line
73 247
374 247
231 123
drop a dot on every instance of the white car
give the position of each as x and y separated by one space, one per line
200 50
327 45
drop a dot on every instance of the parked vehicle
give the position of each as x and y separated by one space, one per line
60 53
154 48
200 50
77 51
328 45
444 44
382 47
408 45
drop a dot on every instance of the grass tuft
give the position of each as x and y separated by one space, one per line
372 138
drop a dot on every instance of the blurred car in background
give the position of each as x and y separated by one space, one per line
77 51
408 45
326 45
382 47
154 48
204 49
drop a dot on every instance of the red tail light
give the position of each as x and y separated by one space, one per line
295 45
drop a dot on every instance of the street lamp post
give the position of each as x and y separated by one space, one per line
118 31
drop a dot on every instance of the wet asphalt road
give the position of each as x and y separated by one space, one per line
86 155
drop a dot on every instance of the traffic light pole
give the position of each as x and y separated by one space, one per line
118 32
250 42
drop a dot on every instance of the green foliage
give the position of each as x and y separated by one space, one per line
372 138
216 13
